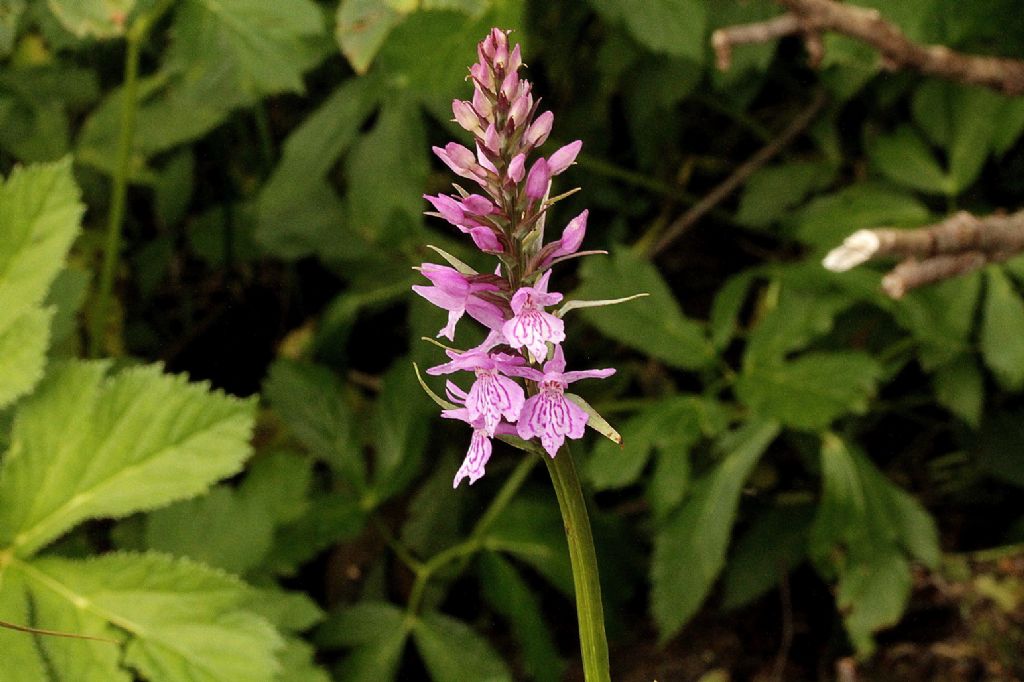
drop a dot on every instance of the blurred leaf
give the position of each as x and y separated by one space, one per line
726 308
827 220
297 206
872 520
429 526
310 401
182 620
298 663
811 391
689 551
266 46
222 529
363 25
362 623
752 59
904 158
10 14
510 595
791 315
40 214
1002 330
288 611
771 192
279 482
95 18
674 27
330 518
673 424
941 318
774 545
531 530
91 446
669 335
387 174
453 651
67 295
401 425
960 388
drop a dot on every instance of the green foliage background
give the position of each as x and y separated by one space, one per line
781 423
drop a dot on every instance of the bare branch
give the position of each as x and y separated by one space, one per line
956 246
813 17
740 175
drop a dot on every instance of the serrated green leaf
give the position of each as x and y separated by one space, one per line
904 158
510 595
689 552
94 18
669 335
20 650
453 651
39 218
1002 330
811 391
182 620
266 46
84 446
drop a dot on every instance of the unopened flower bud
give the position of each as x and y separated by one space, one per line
538 179
520 108
479 205
482 104
517 168
491 140
481 73
485 240
537 133
515 59
564 157
465 116
510 86
572 236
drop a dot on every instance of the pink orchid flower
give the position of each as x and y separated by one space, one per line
530 325
459 295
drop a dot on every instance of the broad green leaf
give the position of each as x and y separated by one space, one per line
223 529
960 388
673 27
311 403
689 552
771 192
21 651
298 663
668 334
774 545
329 519
287 611
510 595
279 482
811 391
181 619
266 46
827 220
85 446
453 651
904 158
1002 330
725 310
297 206
94 18
39 219
790 315
976 122
362 26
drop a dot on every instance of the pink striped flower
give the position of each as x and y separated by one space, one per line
480 443
530 325
493 395
549 415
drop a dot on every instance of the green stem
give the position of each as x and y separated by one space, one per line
589 612
465 549
135 39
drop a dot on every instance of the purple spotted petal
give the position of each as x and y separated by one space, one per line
476 459
492 397
534 328
549 416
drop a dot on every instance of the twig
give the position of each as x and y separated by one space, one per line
810 18
956 246
54 633
739 176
